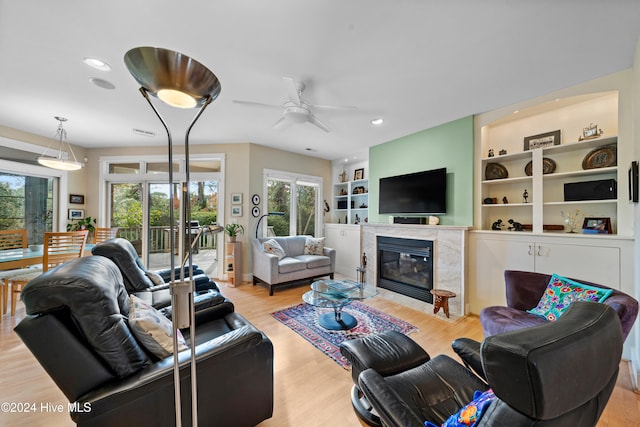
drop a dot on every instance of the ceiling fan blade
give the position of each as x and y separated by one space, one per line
282 123
256 104
316 121
333 107
294 89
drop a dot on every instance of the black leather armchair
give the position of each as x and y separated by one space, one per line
77 329
557 374
140 281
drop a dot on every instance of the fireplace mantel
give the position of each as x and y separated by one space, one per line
450 260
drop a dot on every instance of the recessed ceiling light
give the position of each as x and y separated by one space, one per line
516 112
96 63
102 83
377 122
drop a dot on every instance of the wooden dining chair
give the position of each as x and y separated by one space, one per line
104 233
59 247
9 239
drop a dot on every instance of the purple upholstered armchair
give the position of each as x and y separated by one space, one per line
524 290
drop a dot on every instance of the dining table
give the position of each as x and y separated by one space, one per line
21 258
11 259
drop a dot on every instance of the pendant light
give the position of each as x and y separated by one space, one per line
60 162
181 82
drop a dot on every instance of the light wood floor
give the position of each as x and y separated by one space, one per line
310 389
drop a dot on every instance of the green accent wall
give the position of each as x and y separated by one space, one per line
449 145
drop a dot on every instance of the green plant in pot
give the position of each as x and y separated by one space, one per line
87 223
232 230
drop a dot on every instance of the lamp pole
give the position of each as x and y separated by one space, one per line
264 215
182 82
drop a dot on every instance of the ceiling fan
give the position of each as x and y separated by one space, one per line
295 109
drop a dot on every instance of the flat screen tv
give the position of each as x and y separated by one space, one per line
415 193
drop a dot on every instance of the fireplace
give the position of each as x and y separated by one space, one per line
405 266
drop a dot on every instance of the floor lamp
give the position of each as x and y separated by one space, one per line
182 82
265 215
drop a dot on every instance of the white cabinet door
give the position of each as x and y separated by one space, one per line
489 258
345 239
598 264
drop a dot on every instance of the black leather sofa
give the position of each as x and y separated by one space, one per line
77 328
153 286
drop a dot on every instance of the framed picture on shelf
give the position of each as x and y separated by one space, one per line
76 199
236 198
76 213
597 226
542 140
358 174
236 210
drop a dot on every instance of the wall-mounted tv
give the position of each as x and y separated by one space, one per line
415 193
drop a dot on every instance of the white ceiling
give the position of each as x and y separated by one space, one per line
417 63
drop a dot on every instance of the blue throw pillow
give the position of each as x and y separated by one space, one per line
469 414
561 292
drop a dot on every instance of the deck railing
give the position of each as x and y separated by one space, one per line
159 238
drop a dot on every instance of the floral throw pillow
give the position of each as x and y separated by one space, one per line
561 292
469 414
314 246
273 247
153 330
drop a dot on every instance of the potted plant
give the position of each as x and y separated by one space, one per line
87 223
232 230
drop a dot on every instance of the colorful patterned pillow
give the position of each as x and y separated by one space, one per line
273 247
153 330
561 292
314 246
469 414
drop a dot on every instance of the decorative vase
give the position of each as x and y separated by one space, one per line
232 239
572 220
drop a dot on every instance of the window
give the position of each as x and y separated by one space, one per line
26 202
31 196
295 201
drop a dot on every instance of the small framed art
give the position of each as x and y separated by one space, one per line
236 198
358 174
236 210
542 140
597 226
76 199
76 213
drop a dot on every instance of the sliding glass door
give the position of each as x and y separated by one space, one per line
140 204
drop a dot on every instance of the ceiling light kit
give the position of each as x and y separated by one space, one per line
60 162
96 63
181 82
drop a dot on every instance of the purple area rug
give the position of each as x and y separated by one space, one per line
303 319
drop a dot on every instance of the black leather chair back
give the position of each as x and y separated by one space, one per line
562 371
124 255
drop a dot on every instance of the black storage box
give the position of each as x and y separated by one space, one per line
591 190
342 204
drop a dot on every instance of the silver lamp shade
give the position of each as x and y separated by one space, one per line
172 77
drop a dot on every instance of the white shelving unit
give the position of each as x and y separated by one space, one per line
545 200
350 204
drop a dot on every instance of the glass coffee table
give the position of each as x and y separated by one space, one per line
337 294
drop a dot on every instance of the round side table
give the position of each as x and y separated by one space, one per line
441 300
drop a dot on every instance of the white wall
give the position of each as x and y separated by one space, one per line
634 337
